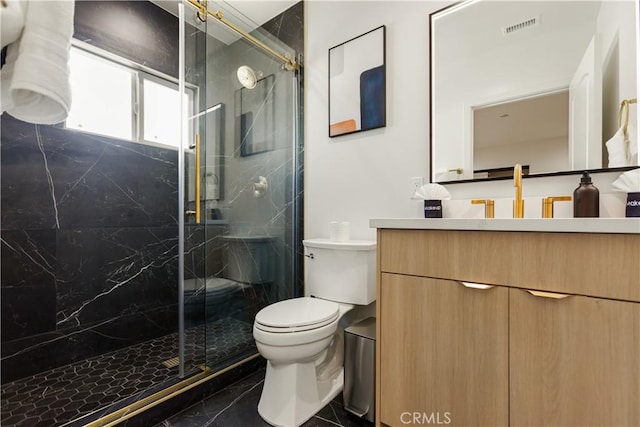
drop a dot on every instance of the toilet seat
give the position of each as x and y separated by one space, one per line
297 315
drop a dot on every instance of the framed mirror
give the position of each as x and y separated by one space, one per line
539 83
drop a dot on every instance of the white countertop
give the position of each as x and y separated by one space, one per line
555 225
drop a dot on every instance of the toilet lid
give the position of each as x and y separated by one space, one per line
298 314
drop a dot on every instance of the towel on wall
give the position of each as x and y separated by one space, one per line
633 145
619 149
35 76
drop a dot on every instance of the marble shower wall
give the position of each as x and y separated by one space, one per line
274 213
89 245
89 230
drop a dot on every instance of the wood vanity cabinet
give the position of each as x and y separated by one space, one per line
555 341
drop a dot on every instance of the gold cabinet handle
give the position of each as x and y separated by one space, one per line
551 295
547 204
473 285
457 170
489 206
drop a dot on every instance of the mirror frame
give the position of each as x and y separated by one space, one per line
500 178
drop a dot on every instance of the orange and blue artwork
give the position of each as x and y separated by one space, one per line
357 89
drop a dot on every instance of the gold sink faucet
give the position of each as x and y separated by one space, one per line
547 204
518 203
489 206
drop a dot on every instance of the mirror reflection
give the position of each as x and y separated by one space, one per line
538 83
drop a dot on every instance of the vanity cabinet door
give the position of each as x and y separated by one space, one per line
574 361
444 353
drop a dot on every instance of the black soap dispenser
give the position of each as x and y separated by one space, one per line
586 199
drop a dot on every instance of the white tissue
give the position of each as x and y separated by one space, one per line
628 182
432 192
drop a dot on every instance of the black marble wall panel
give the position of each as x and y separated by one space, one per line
58 178
136 30
89 245
89 234
114 271
89 229
289 27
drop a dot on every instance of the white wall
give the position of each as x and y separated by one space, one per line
615 21
365 175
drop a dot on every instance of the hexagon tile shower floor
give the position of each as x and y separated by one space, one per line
69 392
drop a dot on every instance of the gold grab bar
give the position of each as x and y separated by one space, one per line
198 180
624 107
289 63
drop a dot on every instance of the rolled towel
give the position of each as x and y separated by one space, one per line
35 76
11 21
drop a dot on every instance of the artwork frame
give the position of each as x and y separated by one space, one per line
357 84
255 117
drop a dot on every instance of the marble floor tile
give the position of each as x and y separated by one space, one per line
237 406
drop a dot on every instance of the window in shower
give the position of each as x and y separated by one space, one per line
113 97
102 96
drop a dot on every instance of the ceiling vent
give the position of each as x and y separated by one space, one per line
527 23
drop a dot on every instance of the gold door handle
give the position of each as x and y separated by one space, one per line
551 295
473 285
489 206
198 179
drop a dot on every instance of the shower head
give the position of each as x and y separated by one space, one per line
247 77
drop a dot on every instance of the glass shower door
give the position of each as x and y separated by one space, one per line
241 251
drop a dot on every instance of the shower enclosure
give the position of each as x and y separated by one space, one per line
242 175
132 270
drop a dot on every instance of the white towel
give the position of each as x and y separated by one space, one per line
633 145
11 21
35 76
619 149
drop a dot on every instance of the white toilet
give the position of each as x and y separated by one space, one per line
300 337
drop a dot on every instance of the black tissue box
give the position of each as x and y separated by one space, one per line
633 205
433 208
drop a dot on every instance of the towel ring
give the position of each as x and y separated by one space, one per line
624 107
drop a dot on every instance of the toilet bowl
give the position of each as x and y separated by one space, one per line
301 337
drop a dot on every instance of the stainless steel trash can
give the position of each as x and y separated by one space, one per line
360 368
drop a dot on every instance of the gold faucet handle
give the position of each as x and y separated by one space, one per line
547 204
489 206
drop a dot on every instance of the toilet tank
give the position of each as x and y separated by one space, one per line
341 271
250 259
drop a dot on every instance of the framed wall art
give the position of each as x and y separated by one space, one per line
357 84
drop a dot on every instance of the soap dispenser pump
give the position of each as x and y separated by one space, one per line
586 198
